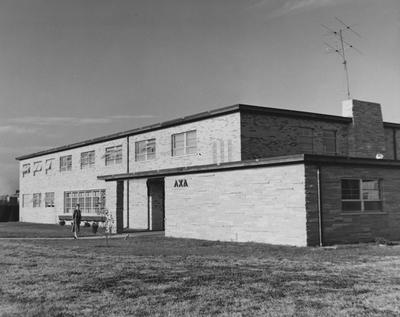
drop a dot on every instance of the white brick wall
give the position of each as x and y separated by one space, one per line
76 179
218 140
258 204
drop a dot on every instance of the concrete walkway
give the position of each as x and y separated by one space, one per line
101 236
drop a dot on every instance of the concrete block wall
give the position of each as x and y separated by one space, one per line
76 179
265 135
258 204
352 227
218 140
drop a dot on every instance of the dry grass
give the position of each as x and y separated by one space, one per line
156 276
36 230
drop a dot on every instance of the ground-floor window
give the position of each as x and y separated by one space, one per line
26 198
36 199
49 199
90 201
360 195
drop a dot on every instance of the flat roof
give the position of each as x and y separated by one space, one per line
197 117
256 163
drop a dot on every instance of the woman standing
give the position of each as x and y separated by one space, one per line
76 221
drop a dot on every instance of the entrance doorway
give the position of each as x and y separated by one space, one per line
155 204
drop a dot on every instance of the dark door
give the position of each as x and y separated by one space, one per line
156 202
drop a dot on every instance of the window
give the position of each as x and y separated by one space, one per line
361 195
87 159
184 143
145 150
36 200
329 141
66 163
37 167
113 155
26 169
49 165
49 199
90 201
305 139
26 199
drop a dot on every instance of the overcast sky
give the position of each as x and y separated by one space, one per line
71 70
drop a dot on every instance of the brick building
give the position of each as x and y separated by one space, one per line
239 173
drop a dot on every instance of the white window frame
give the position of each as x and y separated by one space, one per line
90 201
113 155
186 148
36 200
149 152
26 169
65 163
88 159
37 167
26 200
363 199
49 199
48 165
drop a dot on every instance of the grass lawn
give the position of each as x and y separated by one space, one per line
36 230
157 276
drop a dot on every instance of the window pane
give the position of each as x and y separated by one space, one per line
191 142
372 205
140 151
350 189
351 205
178 144
151 149
370 190
113 155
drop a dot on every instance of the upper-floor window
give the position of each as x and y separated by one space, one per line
184 143
305 139
113 155
26 169
145 150
49 165
49 199
87 159
37 167
66 163
329 141
36 199
361 195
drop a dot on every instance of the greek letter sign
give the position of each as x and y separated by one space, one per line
181 183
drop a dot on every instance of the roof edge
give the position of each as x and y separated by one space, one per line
256 163
197 117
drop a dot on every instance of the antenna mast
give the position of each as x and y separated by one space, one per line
340 50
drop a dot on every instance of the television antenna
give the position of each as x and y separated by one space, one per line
340 47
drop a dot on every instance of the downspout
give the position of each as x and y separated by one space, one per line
394 144
127 182
320 227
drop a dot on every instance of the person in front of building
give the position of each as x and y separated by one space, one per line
76 221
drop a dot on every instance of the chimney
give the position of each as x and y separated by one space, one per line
366 136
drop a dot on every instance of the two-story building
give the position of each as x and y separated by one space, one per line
239 173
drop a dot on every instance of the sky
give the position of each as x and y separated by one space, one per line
71 70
